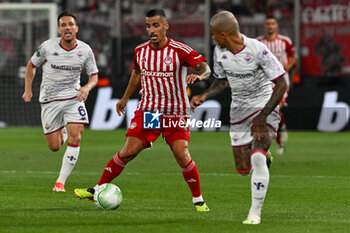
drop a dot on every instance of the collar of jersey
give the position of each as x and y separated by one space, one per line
167 43
68 49
244 41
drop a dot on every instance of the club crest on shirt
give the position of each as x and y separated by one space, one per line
265 52
79 53
247 58
235 138
168 60
133 125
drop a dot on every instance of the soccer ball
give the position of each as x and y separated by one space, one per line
108 197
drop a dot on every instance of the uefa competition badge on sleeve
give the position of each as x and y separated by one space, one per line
151 120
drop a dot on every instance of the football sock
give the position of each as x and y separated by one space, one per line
259 181
191 176
280 127
114 167
278 137
70 157
282 122
198 200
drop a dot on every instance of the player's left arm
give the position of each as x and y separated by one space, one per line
92 71
259 122
85 90
292 60
203 73
292 57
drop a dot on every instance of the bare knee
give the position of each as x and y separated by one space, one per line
74 139
54 147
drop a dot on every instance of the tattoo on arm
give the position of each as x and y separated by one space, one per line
276 97
203 70
216 87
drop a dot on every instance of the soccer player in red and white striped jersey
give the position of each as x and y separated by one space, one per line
282 47
160 67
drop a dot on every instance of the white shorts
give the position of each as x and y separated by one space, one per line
240 132
56 114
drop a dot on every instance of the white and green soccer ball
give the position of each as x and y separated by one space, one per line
108 196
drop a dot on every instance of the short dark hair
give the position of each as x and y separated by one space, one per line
270 17
154 12
66 13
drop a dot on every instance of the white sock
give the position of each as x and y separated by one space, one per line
197 199
259 182
65 134
70 157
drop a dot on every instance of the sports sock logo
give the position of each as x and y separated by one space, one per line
191 181
259 185
108 169
71 158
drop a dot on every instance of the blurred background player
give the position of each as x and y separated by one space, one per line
282 47
61 96
249 68
160 67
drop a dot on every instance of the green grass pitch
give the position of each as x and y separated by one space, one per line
309 186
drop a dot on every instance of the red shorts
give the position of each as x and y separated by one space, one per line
148 136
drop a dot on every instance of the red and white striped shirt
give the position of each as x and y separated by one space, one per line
282 47
163 76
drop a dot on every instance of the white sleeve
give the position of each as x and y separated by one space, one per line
39 56
219 72
90 63
269 63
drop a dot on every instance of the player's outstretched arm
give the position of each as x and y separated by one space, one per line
203 73
134 83
29 77
259 122
216 87
85 90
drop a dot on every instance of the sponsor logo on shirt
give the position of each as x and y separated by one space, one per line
65 67
156 74
239 75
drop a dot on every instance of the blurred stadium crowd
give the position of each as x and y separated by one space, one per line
186 20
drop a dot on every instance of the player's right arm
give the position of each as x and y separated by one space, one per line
216 87
134 83
29 77
38 58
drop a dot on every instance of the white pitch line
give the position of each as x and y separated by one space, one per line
170 174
